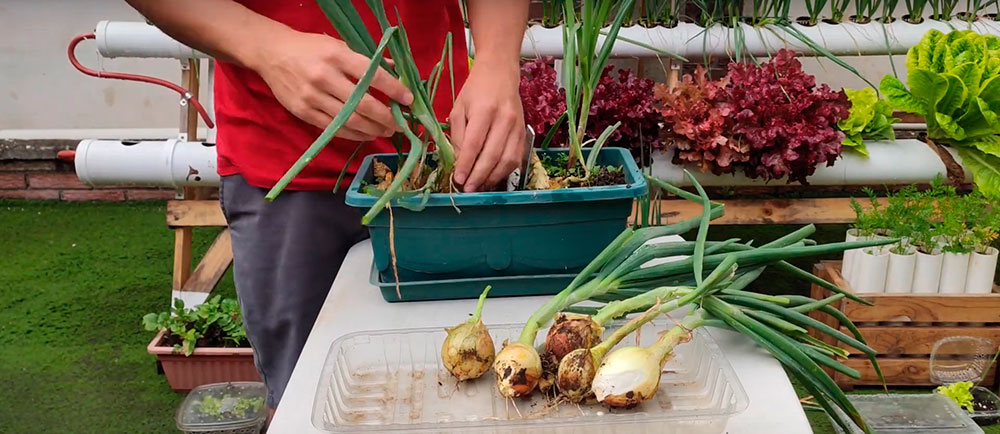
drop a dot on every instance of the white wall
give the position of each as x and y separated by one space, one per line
39 89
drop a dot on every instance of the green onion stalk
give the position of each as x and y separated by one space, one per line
630 375
349 25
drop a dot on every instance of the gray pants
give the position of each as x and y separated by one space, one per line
286 255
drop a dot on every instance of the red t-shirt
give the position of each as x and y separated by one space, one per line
259 139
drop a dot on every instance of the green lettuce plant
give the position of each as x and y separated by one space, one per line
953 84
870 119
216 319
960 392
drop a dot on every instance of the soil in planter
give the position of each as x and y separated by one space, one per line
555 167
214 338
554 164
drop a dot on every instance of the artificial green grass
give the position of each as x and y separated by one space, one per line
75 281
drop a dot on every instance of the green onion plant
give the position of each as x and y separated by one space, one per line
837 10
814 9
915 10
620 278
943 10
584 59
352 30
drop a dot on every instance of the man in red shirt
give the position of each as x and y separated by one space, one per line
281 77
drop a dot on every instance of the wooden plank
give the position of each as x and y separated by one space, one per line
182 256
938 308
818 292
913 340
897 371
195 213
918 308
770 211
213 265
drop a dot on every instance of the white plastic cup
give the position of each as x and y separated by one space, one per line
873 264
845 270
927 272
899 276
982 268
954 270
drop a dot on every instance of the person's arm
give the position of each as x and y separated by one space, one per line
310 74
487 122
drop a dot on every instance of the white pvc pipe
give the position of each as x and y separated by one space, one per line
138 39
958 159
692 41
169 163
901 162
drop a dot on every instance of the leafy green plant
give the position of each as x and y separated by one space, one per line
228 407
870 119
217 321
960 392
874 220
953 84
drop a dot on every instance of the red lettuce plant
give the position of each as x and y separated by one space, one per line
697 115
788 122
626 98
542 99
770 121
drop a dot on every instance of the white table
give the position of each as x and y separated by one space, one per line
355 305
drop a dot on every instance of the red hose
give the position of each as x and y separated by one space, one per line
134 77
66 155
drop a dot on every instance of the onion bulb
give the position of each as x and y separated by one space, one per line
576 374
518 369
630 375
569 333
467 352
627 377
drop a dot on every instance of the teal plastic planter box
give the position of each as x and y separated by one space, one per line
496 234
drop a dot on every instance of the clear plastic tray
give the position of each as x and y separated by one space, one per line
928 413
393 381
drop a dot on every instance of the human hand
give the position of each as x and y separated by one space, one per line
312 75
487 126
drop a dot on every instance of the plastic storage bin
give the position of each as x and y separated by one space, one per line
518 233
912 414
393 381
224 408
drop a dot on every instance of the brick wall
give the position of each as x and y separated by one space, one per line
30 170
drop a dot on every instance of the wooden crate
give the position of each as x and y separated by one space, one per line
904 327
